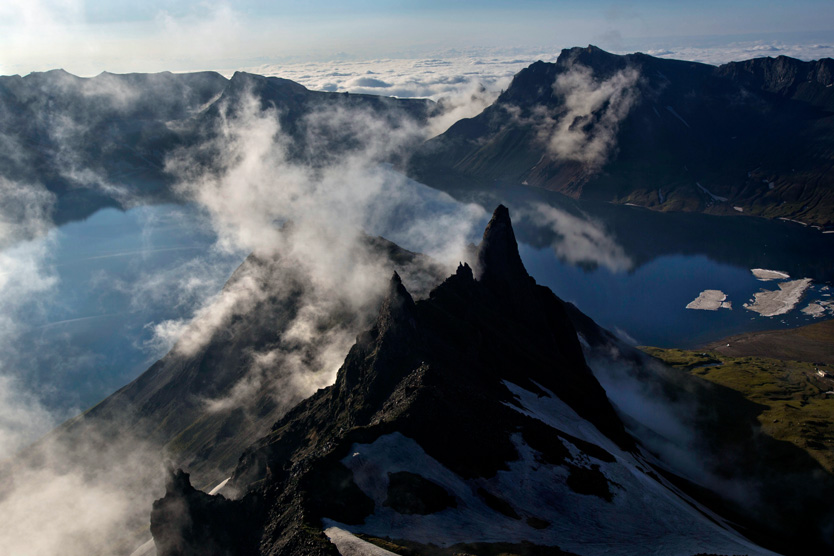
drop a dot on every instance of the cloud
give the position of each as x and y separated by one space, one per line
586 131
463 84
735 51
369 82
62 500
666 416
85 494
304 217
579 240
22 416
26 276
25 212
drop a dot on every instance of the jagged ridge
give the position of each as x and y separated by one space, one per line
445 374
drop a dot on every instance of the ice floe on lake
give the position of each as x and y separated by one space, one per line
710 300
764 274
769 303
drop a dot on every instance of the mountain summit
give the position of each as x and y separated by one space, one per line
751 137
464 422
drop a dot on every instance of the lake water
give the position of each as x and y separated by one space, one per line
648 305
117 274
634 272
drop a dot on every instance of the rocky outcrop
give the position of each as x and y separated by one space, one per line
454 381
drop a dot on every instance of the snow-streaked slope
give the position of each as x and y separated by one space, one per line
644 512
349 544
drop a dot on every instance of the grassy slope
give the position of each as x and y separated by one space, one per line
797 410
814 343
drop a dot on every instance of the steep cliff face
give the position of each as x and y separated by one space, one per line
665 134
218 390
467 417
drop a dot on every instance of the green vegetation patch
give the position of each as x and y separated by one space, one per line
793 394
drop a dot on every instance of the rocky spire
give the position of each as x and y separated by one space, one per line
397 307
498 258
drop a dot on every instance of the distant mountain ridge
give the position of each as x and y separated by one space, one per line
754 136
104 141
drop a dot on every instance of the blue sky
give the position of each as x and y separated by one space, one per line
88 36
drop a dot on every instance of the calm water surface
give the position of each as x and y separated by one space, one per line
119 273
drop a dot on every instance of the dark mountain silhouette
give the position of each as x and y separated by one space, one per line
665 134
469 421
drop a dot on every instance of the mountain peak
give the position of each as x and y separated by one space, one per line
397 303
498 258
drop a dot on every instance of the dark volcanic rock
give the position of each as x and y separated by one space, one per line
668 135
192 523
409 493
439 364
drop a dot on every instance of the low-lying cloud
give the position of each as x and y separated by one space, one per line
463 85
580 240
26 274
305 219
586 131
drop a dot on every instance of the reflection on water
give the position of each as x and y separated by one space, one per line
632 270
117 272
649 304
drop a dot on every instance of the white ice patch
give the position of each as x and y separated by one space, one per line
769 303
710 300
349 544
818 308
764 274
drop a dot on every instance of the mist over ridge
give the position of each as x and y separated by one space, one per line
311 189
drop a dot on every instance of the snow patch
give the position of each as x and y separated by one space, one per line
710 193
643 513
764 274
219 487
349 544
147 549
710 300
769 303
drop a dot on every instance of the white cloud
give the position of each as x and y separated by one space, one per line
580 240
465 85
320 262
594 108
583 126
743 50
26 278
